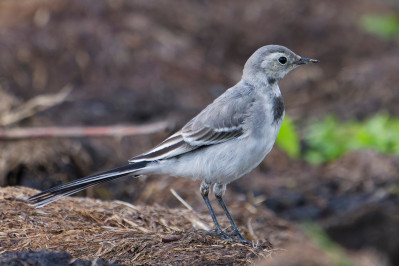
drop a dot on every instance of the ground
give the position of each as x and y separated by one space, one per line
140 62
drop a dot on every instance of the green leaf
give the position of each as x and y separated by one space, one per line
385 26
328 139
288 139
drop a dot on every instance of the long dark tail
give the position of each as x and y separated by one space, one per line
53 194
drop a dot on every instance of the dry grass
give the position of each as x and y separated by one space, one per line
115 231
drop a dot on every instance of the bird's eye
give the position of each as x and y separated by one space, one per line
282 60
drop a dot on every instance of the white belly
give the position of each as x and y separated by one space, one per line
225 162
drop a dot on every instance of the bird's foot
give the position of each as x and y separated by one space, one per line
226 235
240 238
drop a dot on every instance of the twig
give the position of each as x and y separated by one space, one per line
177 196
250 229
197 223
34 105
192 218
78 132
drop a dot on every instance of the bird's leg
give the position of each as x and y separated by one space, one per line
205 192
219 189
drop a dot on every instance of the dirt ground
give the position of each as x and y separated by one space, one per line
136 62
122 233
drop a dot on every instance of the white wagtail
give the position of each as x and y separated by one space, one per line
225 141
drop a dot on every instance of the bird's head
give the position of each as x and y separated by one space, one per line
271 63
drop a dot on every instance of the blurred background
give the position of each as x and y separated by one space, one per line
140 62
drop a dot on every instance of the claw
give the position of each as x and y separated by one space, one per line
226 235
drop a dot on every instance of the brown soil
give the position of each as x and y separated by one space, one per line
134 62
122 233
119 232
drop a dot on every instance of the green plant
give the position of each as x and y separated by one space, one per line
328 139
384 26
288 139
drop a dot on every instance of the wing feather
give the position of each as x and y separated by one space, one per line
172 146
221 121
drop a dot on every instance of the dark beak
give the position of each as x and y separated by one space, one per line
302 61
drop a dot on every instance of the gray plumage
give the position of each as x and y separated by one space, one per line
228 139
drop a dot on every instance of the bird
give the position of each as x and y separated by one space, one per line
225 141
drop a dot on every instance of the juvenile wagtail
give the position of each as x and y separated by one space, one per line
225 141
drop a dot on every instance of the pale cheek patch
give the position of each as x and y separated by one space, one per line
268 63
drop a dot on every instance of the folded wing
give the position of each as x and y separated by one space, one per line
219 122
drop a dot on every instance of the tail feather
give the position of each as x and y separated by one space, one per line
53 194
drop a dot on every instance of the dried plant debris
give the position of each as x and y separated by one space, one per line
115 232
45 257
